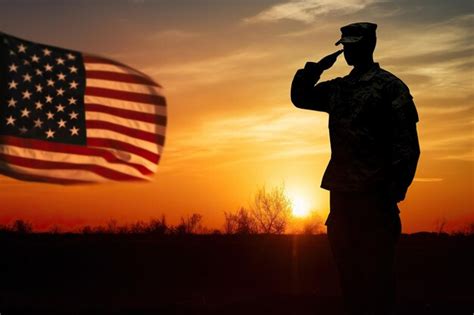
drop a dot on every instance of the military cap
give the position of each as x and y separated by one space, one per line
354 32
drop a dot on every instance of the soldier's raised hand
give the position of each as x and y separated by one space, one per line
328 61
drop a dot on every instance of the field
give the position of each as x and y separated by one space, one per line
216 274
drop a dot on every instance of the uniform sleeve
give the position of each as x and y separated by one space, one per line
405 149
306 94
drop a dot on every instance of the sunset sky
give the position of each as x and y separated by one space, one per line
226 67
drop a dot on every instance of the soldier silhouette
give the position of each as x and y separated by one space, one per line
375 150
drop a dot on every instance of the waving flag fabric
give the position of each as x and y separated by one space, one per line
69 117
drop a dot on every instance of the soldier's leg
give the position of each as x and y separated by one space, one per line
344 247
381 239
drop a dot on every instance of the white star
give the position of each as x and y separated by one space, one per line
26 62
11 121
73 85
60 61
12 85
25 112
26 94
12 53
38 123
49 99
74 131
35 58
60 91
62 123
39 72
13 68
21 48
48 67
60 108
61 76
72 101
73 115
73 69
46 52
39 88
71 56
26 77
39 105
11 102
50 115
49 134
23 130
50 82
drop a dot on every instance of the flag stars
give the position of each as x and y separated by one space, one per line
60 92
73 85
39 105
46 52
26 95
74 131
49 99
38 123
21 48
72 101
25 113
61 76
71 56
26 62
50 82
50 115
10 121
12 68
23 130
48 67
38 72
59 108
62 123
49 134
12 85
35 58
39 88
27 77
73 115
12 53
60 61
11 102
73 69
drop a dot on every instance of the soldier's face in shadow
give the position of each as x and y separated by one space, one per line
358 53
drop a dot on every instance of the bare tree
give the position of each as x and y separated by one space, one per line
313 224
240 222
440 224
157 226
271 210
189 225
22 227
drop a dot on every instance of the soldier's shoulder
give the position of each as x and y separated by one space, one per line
391 82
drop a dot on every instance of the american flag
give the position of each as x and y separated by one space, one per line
71 117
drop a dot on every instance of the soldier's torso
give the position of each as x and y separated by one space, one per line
359 127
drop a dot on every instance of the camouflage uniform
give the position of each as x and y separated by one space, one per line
375 150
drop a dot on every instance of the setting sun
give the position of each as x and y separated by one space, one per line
299 207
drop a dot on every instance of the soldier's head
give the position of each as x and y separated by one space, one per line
359 42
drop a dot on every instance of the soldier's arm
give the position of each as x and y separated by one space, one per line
305 93
405 149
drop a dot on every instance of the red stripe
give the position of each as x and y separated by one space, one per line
85 150
135 133
123 146
36 178
153 99
49 165
121 77
129 114
97 59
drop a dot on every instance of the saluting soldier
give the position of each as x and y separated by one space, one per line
374 154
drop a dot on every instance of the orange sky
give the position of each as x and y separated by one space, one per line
227 67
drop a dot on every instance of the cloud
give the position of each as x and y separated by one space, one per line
308 11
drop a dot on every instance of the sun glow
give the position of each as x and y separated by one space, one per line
300 207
